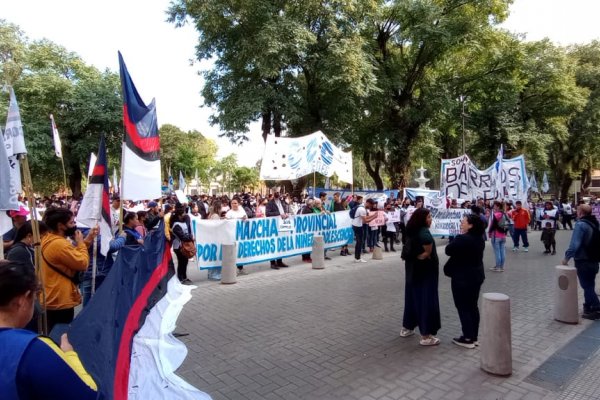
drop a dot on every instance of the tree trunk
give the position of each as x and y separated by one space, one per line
266 125
74 178
565 185
373 171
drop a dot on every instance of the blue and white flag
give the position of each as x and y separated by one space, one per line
14 139
182 183
8 194
171 182
533 184
498 173
545 185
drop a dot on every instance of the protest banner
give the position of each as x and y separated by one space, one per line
379 220
461 179
262 239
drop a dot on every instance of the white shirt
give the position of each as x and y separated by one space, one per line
360 212
239 214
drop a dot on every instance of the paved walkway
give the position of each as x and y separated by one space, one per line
299 333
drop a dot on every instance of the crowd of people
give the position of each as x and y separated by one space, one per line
66 254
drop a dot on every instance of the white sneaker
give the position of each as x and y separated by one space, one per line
360 260
526 249
406 332
515 249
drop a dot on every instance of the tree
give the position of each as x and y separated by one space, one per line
244 178
225 169
186 152
84 101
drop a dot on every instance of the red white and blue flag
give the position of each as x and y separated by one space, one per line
140 173
124 334
95 206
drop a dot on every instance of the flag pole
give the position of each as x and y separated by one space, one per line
62 161
28 189
95 260
314 184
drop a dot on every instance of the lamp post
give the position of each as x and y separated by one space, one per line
462 100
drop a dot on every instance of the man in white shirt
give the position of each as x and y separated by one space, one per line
237 212
360 218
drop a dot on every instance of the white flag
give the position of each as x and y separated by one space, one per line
92 163
14 127
8 193
545 185
57 144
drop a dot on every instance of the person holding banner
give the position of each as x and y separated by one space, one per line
277 208
465 269
421 299
360 218
237 212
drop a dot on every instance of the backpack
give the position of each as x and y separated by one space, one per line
353 211
503 223
593 247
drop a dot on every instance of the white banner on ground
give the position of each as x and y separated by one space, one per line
293 158
262 239
461 179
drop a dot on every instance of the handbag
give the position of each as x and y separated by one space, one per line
188 249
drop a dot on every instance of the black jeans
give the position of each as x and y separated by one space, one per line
182 263
359 239
465 299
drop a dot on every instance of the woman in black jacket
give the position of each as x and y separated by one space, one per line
465 269
421 300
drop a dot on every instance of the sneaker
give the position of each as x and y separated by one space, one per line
327 258
526 249
360 260
553 253
406 332
495 269
462 342
515 249
593 315
186 281
500 269
430 341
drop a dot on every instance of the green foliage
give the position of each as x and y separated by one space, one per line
186 152
245 178
84 101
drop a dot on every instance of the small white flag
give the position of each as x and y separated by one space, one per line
57 144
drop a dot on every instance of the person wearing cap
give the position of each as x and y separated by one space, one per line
19 217
153 216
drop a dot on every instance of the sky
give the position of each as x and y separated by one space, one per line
158 55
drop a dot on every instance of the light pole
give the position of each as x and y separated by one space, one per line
462 100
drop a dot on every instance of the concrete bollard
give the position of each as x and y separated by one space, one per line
377 253
228 270
318 252
496 346
566 307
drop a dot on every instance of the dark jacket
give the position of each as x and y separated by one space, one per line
466 259
271 210
22 253
152 221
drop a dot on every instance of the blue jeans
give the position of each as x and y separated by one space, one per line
372 238
499 251
520 233
586 273
359 239
86 288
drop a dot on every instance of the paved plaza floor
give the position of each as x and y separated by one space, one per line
298 333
